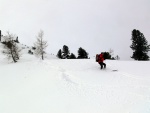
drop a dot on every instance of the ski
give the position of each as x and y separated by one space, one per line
114 70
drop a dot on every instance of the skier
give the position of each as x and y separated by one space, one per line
100 60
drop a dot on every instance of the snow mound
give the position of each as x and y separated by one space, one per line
25 55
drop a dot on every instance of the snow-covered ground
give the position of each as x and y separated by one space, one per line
73 86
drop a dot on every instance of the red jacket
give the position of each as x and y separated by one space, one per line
101 58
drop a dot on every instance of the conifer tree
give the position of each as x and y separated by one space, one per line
117 57
65 52
107 55
17 41
82 53
72 56
59 54
139 46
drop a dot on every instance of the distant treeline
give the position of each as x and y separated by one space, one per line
12 51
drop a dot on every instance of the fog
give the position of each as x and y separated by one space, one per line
94 25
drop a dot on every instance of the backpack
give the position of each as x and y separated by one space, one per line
97 57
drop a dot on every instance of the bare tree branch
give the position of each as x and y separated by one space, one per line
11 50
40 45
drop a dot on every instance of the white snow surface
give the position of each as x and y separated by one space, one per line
73 86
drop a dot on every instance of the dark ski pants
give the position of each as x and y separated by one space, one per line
102 64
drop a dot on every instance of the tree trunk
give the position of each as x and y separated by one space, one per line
13 56
42 57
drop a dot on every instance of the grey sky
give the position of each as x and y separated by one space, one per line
95 25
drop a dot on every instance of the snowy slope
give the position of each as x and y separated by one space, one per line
74 86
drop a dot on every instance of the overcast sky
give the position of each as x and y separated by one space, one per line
94 25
